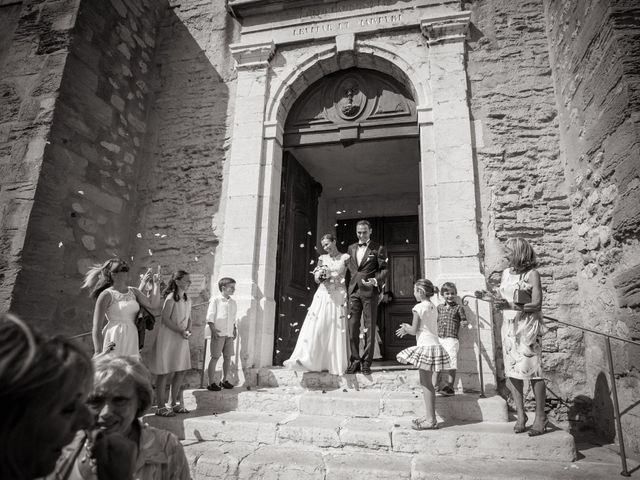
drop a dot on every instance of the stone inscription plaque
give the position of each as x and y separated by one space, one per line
339 18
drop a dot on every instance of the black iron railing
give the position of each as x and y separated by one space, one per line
607 339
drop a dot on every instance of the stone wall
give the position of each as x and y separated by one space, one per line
187 146
523 191
84 206
596 67
33 53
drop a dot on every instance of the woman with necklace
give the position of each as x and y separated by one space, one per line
120 304
121 393
322 343
522 330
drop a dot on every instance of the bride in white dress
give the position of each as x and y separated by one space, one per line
322 343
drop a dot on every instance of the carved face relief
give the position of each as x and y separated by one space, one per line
349 99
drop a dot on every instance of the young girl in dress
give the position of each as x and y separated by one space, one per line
428 355
171 353
119 303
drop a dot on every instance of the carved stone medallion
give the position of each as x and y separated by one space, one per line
349 98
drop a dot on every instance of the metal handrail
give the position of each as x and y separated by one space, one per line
614 390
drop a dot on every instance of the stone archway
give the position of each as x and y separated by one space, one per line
270 79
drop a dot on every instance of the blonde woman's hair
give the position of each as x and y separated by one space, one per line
99 277
524 257
120 367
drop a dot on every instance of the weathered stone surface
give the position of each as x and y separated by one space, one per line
372 466
595 70
245 427
286 464
484 440
311 429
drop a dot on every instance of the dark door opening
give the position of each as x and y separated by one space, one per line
296 254
400 235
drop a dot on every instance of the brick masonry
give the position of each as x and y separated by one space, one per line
523 191
32 61
186 148
594 55
115 126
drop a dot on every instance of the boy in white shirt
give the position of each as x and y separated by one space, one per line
221 319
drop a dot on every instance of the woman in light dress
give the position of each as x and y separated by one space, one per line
171 355
522 330
119 304
322 343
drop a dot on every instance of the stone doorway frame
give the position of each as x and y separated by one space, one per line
269 81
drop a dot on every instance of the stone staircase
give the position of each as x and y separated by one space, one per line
319 426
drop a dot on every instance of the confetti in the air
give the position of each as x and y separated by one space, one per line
196 258
294 324
336 226
164 235
407 240
139 235
302 245
156 234
81 192
338 212
309 233
60 245
302 305
277 351
297 330
312 262
339 189
282 315
279 338
150 252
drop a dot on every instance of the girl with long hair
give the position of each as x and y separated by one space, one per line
171 355
119 304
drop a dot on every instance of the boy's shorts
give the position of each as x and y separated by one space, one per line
451 346
222 346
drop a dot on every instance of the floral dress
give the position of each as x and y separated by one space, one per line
521 332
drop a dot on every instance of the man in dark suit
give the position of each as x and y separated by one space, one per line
367 267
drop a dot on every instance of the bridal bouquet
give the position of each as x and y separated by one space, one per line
321 272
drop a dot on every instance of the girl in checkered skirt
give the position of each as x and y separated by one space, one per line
428 355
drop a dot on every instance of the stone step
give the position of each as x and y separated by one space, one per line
214 460
382 379
346 403
392 378
471 440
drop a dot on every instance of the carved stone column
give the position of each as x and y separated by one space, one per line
450 199
449 210
245 232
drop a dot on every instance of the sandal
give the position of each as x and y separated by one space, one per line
179 409
421 424
165 412
520 428
417 421
535 432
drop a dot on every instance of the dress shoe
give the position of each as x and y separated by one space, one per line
366 368
354 367
226 385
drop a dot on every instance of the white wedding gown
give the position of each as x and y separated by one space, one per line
322 343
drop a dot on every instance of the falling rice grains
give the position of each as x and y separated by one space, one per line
60 245
139 235
150 252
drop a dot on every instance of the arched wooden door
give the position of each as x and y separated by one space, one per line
296 255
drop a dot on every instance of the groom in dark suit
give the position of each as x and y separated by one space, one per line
367 267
